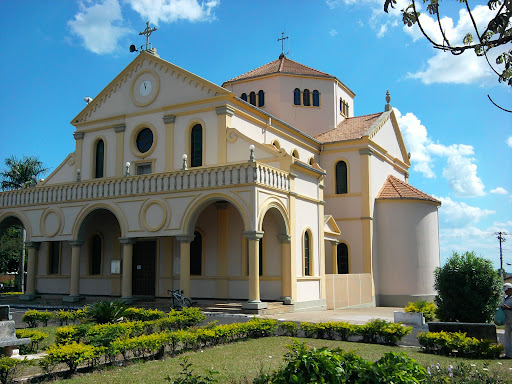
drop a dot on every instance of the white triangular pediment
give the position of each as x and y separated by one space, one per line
330 227
388 136
170 86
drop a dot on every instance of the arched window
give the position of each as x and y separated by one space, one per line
341 105
95 255
342 258
196 254
307 254
311 161
276 144
252 98
341 178
295 153
305 98
296 96
99 159
244 96
261 98
316 98
196 146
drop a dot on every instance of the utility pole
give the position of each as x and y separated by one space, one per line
501 238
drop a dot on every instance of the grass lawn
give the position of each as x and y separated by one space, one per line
244 360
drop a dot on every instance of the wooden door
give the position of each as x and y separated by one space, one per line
143 269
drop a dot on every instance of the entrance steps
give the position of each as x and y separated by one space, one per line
236 308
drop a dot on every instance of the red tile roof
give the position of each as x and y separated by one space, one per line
395 188
281 65
349 129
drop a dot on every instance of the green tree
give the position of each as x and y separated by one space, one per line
498 33
21 173
468 289
10 245
18 173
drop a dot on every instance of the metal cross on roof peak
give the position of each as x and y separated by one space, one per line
147 32
282 39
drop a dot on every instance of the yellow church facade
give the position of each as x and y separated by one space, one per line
266 188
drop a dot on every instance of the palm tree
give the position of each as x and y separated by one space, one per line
21 173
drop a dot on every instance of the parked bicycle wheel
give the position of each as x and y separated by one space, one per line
176 304
187 303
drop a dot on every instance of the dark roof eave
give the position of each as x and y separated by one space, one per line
410 198
235 80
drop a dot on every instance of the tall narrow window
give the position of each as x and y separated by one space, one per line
341 178
252 98
100 159
196 254
261 98
244 96
342 258
196 146
296 96
316 98
54 255
96 251
307 258
305 98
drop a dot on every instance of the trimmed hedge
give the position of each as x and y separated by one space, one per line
458 344
428 309
35 337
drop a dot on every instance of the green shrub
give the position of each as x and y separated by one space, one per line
458 344
70 354
105 334
35 337
64 317
380 331
70 334
288 328
142 314
9 368
464 279
261 327
423 306
103 312
187 375
31 317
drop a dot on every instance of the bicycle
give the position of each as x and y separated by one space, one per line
178 301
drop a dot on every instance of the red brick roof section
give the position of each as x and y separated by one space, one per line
349 129
281 65
395 188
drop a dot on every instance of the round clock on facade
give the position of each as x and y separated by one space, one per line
145 88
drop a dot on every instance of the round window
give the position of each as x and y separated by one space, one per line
144 140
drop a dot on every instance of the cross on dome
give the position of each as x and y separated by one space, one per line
282 39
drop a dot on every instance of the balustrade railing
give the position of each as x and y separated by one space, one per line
194 178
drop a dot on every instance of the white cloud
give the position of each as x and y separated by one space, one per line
499 191
168 11
460 170
333 32
382 31
459 214
99 26
509 141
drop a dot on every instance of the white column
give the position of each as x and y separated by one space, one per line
126 279
74 281
254 302
185 263
30 292
286 269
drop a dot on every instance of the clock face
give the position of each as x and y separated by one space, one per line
145 88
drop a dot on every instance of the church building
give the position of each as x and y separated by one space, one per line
265 188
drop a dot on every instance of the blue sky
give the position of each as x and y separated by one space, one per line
54 53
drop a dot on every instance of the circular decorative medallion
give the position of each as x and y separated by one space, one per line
50 222
153 215
144 140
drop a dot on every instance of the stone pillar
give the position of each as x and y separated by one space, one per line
74 282
185 263
126 279
169 142
367 212
286 269
224 115
79 138
119 129
222 249
253 238
334 252
30 292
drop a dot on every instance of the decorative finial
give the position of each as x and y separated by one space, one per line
127 165
388 99
251 156
282 39
147 32
184 157
78 176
